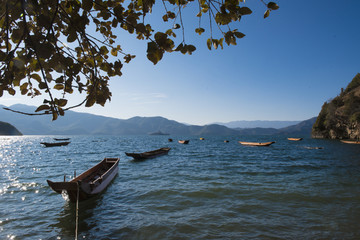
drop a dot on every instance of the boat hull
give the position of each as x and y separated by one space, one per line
257 144
55 144
90 183
150 154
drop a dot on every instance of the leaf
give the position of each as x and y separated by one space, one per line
245 11
273 6
59 86
208 43
154 54
36 77
267 13
199 30
42 85
11 91
55 115
42 108
62 102
87 4
239 34
114 52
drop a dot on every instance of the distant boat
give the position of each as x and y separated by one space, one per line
350 141
90 183
184 141
55 144
258 144
226 141
314 147
202 138
150 154
159 133
295 139
61 139
170 140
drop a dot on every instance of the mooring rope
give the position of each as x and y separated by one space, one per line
77 212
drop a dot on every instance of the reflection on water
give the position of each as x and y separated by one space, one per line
204 190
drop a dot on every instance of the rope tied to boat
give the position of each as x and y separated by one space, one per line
77 211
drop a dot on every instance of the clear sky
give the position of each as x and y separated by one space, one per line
285 68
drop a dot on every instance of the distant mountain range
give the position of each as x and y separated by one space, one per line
75 123
258 123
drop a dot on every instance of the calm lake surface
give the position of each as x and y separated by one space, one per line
204 190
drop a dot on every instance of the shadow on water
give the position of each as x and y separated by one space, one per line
66 220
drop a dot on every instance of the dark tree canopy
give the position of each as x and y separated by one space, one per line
56 47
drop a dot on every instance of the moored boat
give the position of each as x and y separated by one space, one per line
184 141
295 139
61 139
350 141
259 144
170 140
202 138
89 183
149 154
54 144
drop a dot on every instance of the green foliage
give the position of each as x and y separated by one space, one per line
353 84
56 47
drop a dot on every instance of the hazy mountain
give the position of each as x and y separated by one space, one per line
259 124
75 123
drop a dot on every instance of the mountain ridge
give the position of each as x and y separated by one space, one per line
75 123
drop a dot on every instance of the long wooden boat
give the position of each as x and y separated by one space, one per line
61 139
295 139
55 144
89 183
150 154
184 141
258 144
350 141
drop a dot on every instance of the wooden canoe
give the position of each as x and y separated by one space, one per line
61 139
184 141
89 183
350 141
150 154
295 139
258 144
55 144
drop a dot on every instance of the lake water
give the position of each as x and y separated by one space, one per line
204 190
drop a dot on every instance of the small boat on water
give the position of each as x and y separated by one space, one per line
54 144
170 140
295 139
314 147
150 154
61 139
226 141
202 138
184 141
258 144
90 183
350 141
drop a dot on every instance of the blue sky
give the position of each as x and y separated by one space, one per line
285 68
